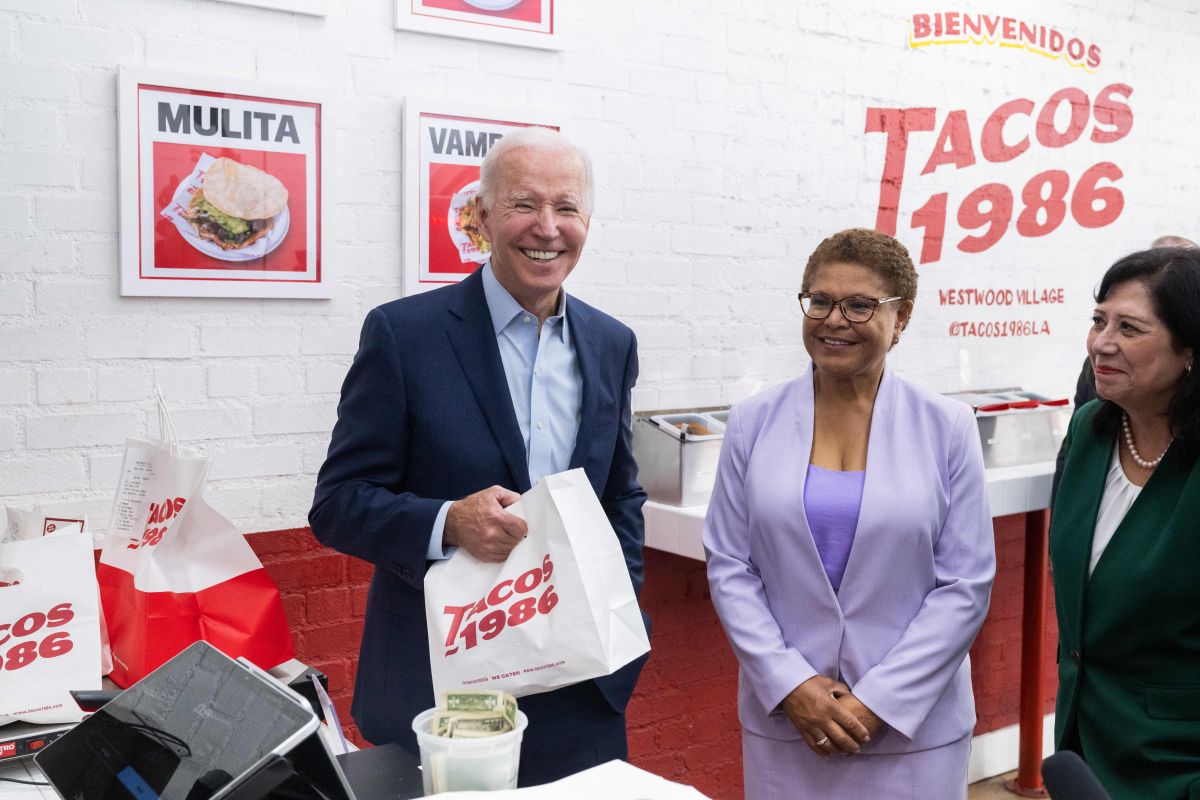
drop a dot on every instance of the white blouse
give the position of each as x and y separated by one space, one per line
1119 494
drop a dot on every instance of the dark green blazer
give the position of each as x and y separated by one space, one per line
1129 637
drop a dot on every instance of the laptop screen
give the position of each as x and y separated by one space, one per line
195 723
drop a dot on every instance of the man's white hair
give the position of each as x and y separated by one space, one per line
533 137
1173 241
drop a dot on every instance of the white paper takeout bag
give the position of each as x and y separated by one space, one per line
560 610
49 627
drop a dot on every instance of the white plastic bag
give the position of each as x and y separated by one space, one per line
560 610
43 520
49 627
54 519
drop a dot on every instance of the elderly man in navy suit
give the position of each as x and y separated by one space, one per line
459 400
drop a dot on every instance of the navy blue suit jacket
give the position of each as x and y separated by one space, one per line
425 417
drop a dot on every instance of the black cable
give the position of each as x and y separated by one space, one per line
26 783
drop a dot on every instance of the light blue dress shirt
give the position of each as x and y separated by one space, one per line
544 382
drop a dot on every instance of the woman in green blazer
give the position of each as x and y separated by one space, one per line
1125 537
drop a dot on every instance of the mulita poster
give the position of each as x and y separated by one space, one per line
221 189
444 151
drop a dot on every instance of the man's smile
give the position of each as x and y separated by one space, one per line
541 255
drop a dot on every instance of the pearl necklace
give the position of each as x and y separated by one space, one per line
1137 457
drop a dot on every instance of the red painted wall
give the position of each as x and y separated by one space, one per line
325 598
683 717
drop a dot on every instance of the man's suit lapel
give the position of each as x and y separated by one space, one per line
474 342
591 368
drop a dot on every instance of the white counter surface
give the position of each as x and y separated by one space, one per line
1011 490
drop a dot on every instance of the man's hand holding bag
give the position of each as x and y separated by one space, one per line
560 610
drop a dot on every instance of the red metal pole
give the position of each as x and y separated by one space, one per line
1033 624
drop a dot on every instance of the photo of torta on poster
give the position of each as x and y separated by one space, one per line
444 147
529 23
224 188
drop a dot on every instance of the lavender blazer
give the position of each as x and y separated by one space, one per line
917 582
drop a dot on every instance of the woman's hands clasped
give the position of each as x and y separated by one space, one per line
830 719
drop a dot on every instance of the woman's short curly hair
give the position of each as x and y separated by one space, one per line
871 249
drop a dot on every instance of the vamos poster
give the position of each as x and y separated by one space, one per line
223 189
444 147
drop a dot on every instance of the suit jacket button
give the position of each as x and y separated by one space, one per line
1076 657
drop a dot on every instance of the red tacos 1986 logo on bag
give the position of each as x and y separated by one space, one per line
512 602
30 637
159 514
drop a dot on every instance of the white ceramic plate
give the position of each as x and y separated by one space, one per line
492 5
467 251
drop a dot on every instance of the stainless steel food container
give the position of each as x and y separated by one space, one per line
675 466
1017 435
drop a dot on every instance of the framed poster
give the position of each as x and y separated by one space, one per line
444 146
224 188
530 23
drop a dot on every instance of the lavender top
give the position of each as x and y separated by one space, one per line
831 503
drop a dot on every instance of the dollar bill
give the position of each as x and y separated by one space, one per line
468 724
474 700
439 724
477 727
474 713
493 701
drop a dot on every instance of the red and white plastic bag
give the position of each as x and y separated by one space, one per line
174 570
559 610
49 627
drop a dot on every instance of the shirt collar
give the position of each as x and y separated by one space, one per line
505 309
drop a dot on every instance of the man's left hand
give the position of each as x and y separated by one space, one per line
479 524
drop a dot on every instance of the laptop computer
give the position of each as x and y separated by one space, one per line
200 727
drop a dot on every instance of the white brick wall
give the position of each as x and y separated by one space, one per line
728 140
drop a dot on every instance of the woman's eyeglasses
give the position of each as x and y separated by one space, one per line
854 309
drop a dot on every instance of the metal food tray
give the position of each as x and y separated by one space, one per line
677 466
1017 427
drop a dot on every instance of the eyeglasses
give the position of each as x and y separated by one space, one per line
854 309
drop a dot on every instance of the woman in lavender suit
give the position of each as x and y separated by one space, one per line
850 552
